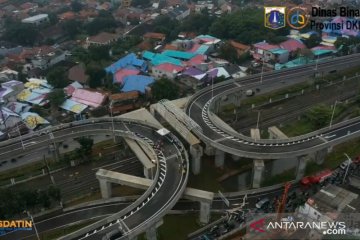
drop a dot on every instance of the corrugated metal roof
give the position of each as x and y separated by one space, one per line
178 54
119 75
129 60
136 83
32 120
168 67
73 106
84 96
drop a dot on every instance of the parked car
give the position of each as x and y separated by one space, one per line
262 203
344 164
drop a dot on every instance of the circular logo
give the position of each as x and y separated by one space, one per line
298 17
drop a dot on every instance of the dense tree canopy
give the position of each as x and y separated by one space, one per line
76 6
100 24
313 41
141 3
56 77
21 33
72 27
57 97
96 75
240 24
164 89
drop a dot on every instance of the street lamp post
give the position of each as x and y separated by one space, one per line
32 220
258 119
333 113
347 168
262 69
212 88
112 121
21 140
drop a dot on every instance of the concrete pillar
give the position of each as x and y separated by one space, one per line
320 155
151 233
196 152
209 150
105 188
205 212
258 172
219 158
235 158
54 148
149 173
255 133
329 149
300 170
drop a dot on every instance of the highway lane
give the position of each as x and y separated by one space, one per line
199 106
159 198
107 209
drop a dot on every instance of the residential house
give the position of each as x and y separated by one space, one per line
33 120
292 46
8 74
153 36
10 89
77 74
138 83
70 89
37 19
124 102
130 61
89 97
166 70
8 118
70 15
44 61
239 47
102 39
261 51
179 12
72 106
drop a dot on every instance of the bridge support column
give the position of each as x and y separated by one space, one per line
219 158
151 233
258 172
149 172
54 149
300 170
205 212
320 155
196 152
209 150
105 188
329 149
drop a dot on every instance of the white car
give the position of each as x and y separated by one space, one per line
344 164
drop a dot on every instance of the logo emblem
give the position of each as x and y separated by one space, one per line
298 17
258 225
274 17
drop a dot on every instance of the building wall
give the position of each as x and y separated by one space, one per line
159 74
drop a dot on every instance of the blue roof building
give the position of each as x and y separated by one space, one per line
179 54
157 59
136 83
129 61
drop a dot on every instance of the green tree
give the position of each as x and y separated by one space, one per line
313 41
228 52
86 145
54 193
164 89
56 97
21 33
43 199
319 116
76 6
53 19
72 27
56 77
100 24
97 53
96 75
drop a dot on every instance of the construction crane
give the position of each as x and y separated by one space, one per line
282 202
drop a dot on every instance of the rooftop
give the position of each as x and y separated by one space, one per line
35 18
103 37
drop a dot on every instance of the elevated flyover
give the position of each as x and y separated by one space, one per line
216 135
168 183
